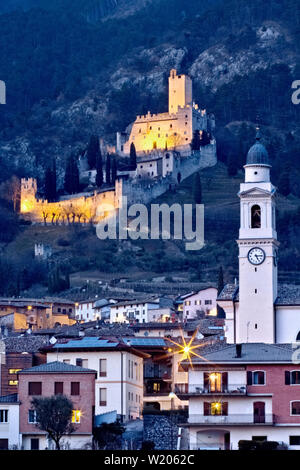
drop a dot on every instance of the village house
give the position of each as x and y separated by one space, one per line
21 314
18 353
53 378
10 438
243 392
140 311
119 381
202 301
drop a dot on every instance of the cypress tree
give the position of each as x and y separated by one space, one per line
197 189
132 156
107 169
93 151
232 165
220 280
195 144
99 174
114 171
50 182
72 176
205 139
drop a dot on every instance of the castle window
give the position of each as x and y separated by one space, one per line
150 128
140 131
171 126
255 216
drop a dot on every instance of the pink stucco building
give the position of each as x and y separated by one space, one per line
77 383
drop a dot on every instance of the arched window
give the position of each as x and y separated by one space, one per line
255 216
298 337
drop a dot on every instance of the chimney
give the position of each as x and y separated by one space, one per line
238 348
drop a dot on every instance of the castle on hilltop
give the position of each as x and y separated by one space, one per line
163 146
173 129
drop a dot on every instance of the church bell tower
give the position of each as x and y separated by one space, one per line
258 245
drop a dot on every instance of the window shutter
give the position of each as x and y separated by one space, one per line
287 377
249 378
225 409
224 380
206 380
206 408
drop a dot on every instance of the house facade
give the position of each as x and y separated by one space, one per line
119 381
10 438
140 311
202 301
244 392
54 378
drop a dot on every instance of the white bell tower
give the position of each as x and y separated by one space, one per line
258 245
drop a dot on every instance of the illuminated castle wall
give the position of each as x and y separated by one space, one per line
80 208
173 129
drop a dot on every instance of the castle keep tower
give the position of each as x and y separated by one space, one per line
28 195
180 91
168 130
255 321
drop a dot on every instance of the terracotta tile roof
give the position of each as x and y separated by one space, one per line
53 367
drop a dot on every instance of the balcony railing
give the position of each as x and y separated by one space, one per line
232 419
232 389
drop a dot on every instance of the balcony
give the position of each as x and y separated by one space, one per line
197 390
232 419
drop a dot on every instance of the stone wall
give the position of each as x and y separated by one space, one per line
143 192
162 430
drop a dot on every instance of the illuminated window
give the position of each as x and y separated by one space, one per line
76 414
216 408
156 387
13 382
214 381
14 371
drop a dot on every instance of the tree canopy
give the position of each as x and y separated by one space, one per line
53 415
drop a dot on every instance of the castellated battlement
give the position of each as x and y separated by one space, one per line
169 130
76 208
